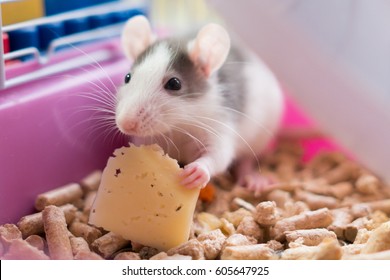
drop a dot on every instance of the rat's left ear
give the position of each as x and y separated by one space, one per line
210 48
137 35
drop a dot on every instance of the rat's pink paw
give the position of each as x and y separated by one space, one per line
195 175
256 183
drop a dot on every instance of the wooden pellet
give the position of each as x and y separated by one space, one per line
325 161
343 172
36 241
293 208
315 201
248 252
351 249
164 256
309 237
56 233
89 199
340 190
379 240
238 239
33 224
128 256
320 218
147 252
287 186
266 213
287 170
108 244
352 229
240 203
249 227
362 236
235 217
329 249
280 197
60 196
87 256
9 233
360 210
192 247
89 233
341 219
78 245
383 255
81 217
367 184
317 186
91 182
81 251
212 243
207 222
382 205
227 227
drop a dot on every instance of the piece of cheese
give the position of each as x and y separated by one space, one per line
140 198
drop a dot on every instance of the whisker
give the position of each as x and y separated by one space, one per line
168 140
197 140
95 64
236 133
221 108
98 96
97 109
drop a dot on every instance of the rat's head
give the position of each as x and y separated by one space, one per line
167 77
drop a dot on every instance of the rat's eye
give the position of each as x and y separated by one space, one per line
173 84
127 78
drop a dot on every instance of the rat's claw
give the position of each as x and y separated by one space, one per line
195 175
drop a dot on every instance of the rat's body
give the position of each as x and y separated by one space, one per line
206 105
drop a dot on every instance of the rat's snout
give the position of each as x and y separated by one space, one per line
127 126
132 123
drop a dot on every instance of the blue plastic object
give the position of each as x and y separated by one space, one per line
48 32
121 16
100 20
53 7
75 25
24 38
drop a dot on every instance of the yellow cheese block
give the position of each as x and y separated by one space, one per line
141 199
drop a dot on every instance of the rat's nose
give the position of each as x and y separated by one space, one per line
127 126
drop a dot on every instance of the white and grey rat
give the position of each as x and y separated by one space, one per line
208 104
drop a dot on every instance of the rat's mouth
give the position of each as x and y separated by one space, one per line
145 122
137 128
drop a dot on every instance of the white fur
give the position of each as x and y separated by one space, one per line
144 88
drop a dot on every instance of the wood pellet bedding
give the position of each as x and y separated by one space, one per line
326 208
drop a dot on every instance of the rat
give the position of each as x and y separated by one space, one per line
211 104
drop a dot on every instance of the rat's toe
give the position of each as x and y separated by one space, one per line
195 175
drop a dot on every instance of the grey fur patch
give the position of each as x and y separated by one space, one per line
193 82
232 79
141 58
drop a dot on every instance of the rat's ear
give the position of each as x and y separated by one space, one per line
210 48
136 36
